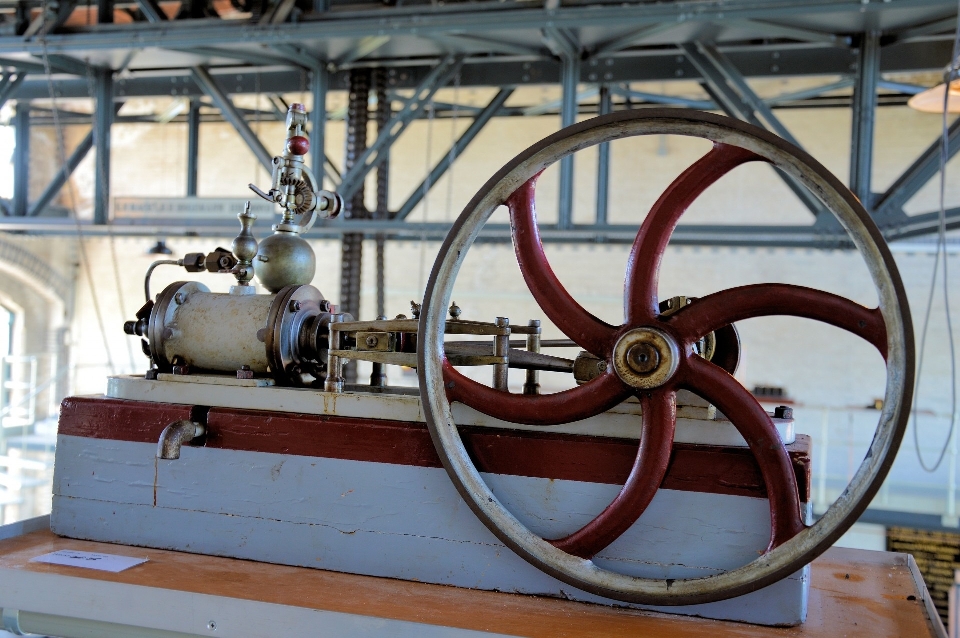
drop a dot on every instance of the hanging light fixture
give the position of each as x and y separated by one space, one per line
931 100
160 248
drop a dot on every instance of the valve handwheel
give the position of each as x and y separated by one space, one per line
652 356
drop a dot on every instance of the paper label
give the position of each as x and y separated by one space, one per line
89 560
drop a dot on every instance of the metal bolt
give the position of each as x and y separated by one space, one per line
294 305
643 358
179 298
454 310
212 626
782 412
372 341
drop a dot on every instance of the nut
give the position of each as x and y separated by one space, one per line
372 341
294 305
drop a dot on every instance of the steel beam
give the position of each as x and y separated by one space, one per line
918 225
21 159
229 112
61 177
474 19
656 98
364 47
318 121
771 29
546 107
102 121
193 147
728 88
151 11
919 173
569 107
806 94
51 18
603 162
629 39
411 109
864 116
455 151
928 28
10 86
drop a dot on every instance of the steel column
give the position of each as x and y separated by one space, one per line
603 161
230 113
193 147
354 176
21 159
102 121
104 11
864 116
483 117
568 116
318 120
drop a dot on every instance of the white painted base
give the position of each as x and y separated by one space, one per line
697 420
398 521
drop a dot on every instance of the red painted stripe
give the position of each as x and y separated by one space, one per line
699 468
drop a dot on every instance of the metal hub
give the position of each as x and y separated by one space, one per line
646 358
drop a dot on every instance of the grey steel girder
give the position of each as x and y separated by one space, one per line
731 91
417 103
455 151
475 18
222 102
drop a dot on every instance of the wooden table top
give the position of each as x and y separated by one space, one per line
853 593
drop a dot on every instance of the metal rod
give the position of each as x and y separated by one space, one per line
864 116
458 147
570 76
603 161
102 122
21 159
532 383
229 112
333 382
501 348
193 147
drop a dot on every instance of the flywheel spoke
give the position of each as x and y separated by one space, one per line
755 425
590 333
581 402
649 468
643 264
722 308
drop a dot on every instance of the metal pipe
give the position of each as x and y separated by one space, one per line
501 348
175 435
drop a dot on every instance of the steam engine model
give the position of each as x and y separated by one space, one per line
656 480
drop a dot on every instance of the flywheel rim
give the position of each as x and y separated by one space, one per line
777 562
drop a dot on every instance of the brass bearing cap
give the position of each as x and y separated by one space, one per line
646 358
